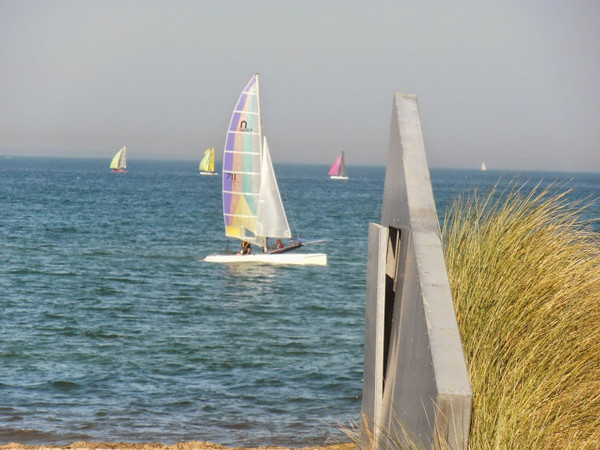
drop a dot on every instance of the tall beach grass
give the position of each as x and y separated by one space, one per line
525 275
524 268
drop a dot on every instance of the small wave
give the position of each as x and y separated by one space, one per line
64 385
106 290
10 414
97 334
238 426
32 437
25 271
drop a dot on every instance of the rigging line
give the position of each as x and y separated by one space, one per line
238 215
250 113
240 172
253 194
251 133
234 153
239 152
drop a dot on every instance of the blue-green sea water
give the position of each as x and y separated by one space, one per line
113 328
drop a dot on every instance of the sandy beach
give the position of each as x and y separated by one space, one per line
193 445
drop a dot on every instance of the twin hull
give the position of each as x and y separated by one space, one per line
302 259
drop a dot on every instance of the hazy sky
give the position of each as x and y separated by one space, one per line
511 83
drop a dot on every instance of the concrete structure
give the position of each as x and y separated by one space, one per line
416 385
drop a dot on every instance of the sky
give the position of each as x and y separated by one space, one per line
513 83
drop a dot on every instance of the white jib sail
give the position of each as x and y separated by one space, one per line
271 220
123 160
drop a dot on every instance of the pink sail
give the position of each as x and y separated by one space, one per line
338 169
335 167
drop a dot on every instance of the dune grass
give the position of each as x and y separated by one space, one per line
524 269
400 437
525 275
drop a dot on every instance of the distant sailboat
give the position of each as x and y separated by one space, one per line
483 167
207 164
119 161
338 169
252 206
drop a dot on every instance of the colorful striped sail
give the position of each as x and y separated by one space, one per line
242 165
252 206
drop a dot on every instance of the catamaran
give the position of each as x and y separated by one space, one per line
207 163
119 161
252 206
337 171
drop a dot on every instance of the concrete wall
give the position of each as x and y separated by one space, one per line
415 377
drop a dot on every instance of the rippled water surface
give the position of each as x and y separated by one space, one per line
113 328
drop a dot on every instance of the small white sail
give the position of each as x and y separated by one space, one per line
483 167
271 220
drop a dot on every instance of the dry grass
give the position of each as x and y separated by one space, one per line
361 434
525 276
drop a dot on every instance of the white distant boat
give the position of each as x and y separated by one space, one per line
207 163
483 167
337 171
119 161
252 206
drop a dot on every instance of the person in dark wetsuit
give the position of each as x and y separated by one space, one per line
245 248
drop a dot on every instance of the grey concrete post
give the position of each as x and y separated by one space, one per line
416 386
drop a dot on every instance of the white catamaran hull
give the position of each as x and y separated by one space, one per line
301 259
338 177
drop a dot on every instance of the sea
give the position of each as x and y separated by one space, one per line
114 329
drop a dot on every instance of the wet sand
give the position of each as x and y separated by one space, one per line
193 445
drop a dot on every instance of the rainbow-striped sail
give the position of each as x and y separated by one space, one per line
252 206
241 165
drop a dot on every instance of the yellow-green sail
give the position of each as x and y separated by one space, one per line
207 164
119 161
